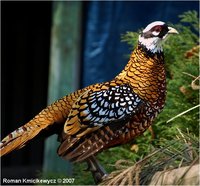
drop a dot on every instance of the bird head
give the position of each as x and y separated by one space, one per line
154 34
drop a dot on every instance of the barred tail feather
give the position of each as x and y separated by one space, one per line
54 113
18 138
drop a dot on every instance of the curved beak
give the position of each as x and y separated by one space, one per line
172 30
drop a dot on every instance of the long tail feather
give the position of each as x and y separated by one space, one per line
18 138
54 113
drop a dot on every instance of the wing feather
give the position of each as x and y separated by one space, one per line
95 109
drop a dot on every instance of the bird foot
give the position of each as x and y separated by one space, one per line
98 172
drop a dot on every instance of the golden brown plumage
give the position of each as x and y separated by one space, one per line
106 114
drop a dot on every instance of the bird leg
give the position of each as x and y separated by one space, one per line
98 172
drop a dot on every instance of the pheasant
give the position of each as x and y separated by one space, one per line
106 114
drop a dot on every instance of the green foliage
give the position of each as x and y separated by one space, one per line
181 96
192 18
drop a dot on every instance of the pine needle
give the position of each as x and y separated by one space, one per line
170 155
182 113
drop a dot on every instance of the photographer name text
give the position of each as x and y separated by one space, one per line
38 181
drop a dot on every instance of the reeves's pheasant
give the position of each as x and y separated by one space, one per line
106 114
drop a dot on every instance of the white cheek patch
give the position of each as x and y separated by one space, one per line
155 33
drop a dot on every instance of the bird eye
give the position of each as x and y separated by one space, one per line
156 29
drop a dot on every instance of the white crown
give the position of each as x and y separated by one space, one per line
151 25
